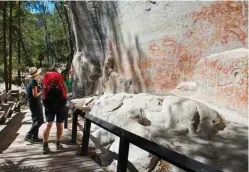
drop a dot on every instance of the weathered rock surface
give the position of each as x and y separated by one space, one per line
86 73
130 55
158 45
184 125
222 79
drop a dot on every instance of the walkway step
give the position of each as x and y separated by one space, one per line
19 155
8 120
63 161
37 148
2 127
8 133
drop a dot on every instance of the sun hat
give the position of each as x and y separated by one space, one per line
34 71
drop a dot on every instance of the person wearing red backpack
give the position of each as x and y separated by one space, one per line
54 99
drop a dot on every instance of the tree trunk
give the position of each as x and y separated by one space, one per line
19 45
70 57
57 9
5 48
10 46
46 35
40 63
23 47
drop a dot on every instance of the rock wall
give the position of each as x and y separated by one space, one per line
154 46
224 77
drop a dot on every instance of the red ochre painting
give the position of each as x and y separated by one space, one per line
225 79
170 60
174 61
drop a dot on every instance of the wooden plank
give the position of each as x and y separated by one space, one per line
17 107
1 126
52 138
8 96
59 163
53 161
24 170
22 146
2 115
42 159
30 157
19 145
11 105
15 93
6 109
67 167
16 151
73 166
3 97
76 165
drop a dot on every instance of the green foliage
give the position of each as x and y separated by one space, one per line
44 37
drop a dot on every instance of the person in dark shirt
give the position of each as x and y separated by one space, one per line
35 105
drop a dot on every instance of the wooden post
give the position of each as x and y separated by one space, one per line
19 44
123 153
5 97
74 126
10 44
6 76
66 118
18 99
86 136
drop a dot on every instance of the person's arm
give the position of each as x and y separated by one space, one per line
35 90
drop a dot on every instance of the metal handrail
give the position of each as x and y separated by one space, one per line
126 137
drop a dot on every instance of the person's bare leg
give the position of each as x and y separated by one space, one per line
47 131
45 137
59 131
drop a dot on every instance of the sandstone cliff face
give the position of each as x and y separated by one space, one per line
220 79
190 49
223 78
153 47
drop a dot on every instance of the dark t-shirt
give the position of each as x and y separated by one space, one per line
30 98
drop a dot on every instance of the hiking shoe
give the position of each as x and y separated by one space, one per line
46 150
30 140
38 140
59 146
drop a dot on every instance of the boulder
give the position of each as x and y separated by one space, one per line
170 121
188 117
181 124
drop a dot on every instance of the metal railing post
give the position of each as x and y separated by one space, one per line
74 126
123 153
66 118
86 136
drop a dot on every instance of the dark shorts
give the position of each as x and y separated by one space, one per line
60 114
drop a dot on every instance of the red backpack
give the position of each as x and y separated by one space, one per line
54 91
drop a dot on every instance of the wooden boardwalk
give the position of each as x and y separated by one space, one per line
18 155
